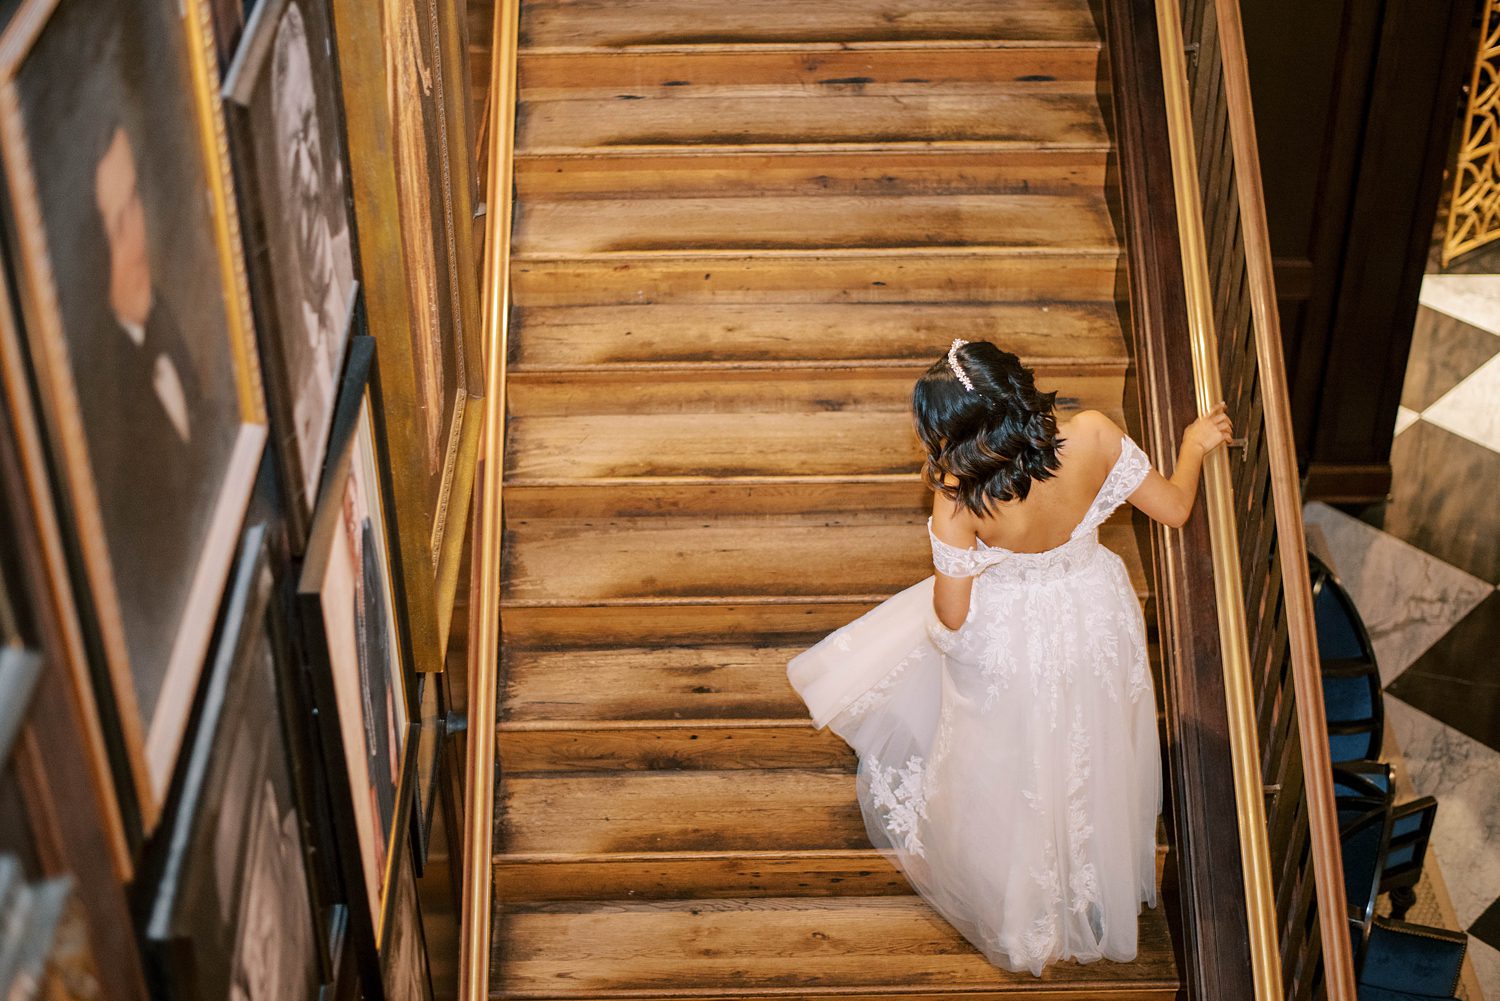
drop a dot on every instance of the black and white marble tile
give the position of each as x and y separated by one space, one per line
1475 299
1442 500
1464 775
1458 679
1472 407
1407 598
1444 351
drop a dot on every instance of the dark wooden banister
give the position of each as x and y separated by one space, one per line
1204 280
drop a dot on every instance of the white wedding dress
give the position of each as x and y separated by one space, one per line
1010 768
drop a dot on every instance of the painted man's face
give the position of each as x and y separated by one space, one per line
119 203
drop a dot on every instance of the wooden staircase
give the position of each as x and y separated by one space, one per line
743 228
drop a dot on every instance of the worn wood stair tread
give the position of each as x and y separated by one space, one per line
738 810
929 275
1060 116
833 443
686 73
573 227
726 681
816 335
886 946
664 560
815 168
616 23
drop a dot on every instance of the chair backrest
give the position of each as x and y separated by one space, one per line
1364 835
1411 833
1352 697
1362 778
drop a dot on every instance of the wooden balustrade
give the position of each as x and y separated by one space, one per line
1211 256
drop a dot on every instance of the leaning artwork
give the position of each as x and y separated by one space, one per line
138 325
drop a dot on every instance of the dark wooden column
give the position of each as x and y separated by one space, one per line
1355 102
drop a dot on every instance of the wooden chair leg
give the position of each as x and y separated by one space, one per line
1402 899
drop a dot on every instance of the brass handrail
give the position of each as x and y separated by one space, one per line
1286 494
1218 499
484 631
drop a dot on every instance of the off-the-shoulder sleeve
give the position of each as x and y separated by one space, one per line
950 560
1129 472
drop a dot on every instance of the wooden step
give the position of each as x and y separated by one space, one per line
831 443
738 832
1061 336
810 948
701 833
707 464
703 706
1025 116
590 227
664 579
971 275
687 73
835 169
707 706
615 24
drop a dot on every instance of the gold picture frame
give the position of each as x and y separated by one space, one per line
137 83
402 67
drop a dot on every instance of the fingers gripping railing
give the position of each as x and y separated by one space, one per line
484 628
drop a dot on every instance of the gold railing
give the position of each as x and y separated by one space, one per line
1288 829
484 623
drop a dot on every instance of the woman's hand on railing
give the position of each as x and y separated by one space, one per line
1209 431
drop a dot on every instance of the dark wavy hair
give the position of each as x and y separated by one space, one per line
996 439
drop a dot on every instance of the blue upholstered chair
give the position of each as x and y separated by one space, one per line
1360 786
1351 681
1393 960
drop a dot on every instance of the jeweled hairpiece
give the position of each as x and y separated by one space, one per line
958 369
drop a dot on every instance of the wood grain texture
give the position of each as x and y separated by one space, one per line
897 276
804 947
613 24
1060 116
664 559
821 336
853 69
841 168
577 227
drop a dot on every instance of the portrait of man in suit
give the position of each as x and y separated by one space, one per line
154 435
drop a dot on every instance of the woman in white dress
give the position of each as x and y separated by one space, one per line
1002 709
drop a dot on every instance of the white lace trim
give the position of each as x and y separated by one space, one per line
901 793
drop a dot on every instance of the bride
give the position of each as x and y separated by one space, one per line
1002 708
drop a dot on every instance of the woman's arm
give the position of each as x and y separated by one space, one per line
950 595
1170 501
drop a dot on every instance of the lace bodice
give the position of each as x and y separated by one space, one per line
1124 477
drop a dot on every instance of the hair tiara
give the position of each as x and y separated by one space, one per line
958 370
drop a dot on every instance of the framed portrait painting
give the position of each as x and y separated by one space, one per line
402 71
233 916
350 612
281 94
138 327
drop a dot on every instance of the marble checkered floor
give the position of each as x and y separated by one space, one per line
1423 568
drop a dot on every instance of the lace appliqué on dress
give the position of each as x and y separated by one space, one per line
901 793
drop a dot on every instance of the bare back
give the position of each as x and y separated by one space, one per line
1053 507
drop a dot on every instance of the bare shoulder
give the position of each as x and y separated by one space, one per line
952 522
1097 432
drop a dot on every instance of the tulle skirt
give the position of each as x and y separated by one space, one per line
1011 768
